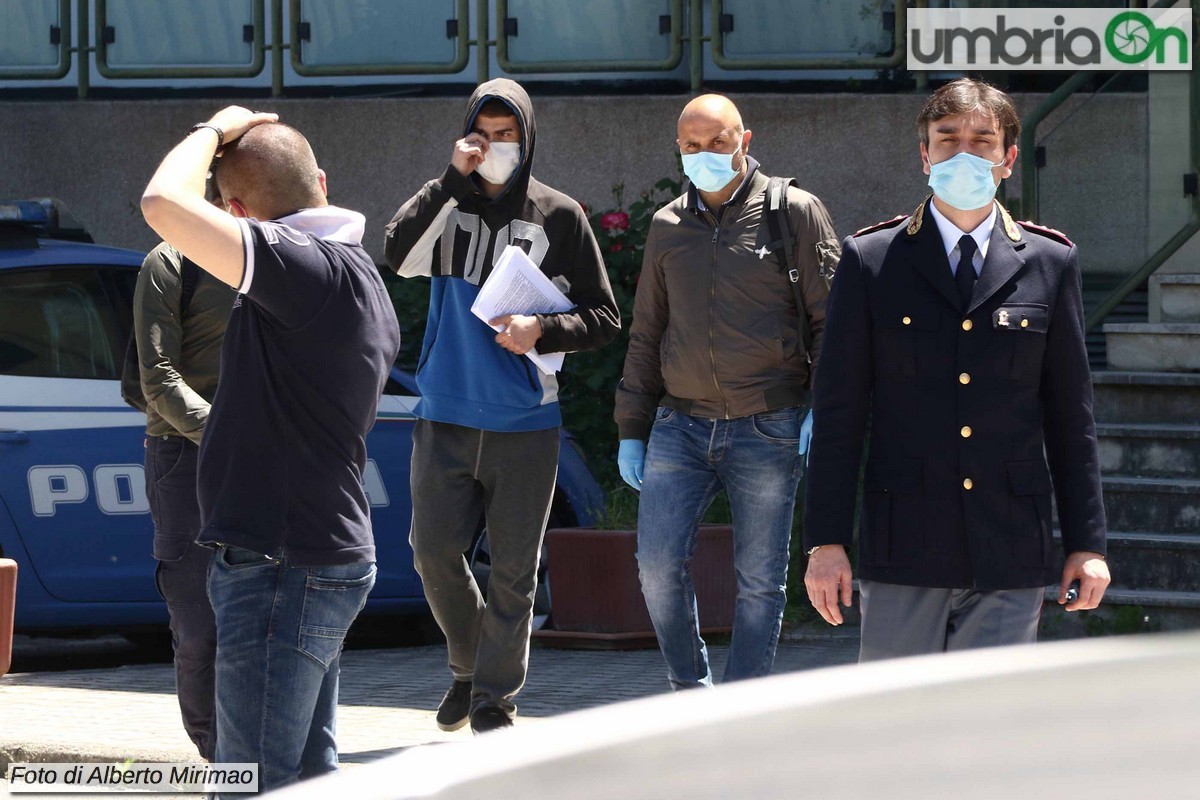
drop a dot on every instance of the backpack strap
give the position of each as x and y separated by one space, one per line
779 227
189 277
131 373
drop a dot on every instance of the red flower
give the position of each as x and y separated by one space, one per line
586 211
615 221
615 247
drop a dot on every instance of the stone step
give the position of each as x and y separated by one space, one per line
1122 611
1158 347
1165 505
1147 397
1180 298
1151 561
1147 450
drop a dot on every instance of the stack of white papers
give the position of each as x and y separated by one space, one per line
517 286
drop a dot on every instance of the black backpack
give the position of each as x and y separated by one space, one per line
131 374
779 227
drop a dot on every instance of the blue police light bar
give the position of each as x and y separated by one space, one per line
42 216
26 212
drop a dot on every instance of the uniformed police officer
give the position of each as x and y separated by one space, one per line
959 333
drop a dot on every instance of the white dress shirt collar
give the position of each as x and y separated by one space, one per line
951 234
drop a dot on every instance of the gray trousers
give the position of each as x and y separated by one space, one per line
460 476
902 621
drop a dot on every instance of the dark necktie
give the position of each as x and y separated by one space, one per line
964 276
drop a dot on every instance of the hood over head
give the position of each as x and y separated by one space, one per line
515 97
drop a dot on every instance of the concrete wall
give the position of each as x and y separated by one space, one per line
857 152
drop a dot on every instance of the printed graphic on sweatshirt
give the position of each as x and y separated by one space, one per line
467 242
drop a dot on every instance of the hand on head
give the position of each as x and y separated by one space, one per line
235 121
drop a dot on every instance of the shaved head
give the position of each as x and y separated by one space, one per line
271 171
713 108
711 123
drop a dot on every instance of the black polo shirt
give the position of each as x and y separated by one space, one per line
306 355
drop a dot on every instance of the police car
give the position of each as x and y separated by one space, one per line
73 508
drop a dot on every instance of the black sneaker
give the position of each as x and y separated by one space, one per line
456 707
489 718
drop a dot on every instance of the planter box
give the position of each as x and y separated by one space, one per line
596 595
8 607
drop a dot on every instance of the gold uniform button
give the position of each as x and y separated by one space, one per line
968 484
1024 323
907 320
967 325
964 378
966 431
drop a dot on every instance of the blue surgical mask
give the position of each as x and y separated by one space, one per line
964 181
710 172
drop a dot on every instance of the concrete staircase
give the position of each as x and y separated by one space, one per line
1148 423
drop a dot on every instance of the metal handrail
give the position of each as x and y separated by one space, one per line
1136 278
1190 228
1030 200
1028 149
1026 157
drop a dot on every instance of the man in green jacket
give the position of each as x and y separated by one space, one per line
179 318
716 378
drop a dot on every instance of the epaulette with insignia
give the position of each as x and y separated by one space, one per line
1049 233
1010 227
917 218
878 226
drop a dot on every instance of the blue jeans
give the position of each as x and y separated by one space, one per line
181 576
688 461
279 641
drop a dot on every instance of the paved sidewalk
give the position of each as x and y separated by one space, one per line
388 700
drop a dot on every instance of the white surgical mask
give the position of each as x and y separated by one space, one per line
964 181
710 172
501 162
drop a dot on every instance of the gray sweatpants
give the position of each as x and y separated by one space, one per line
460 475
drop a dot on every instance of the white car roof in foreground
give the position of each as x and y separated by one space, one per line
1104 718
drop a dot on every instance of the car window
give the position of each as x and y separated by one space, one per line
57 323
394 386
122 283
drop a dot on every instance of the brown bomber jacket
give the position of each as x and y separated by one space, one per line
715 329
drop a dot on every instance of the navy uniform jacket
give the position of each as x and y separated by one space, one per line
964 407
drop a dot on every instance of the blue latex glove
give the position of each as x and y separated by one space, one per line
806 436
631 457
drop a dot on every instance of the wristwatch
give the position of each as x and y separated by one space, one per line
220 133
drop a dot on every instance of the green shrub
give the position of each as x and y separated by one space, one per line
590 378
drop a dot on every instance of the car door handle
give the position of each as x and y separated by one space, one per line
14 437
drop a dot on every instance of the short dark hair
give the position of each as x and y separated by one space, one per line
495 107
965 96
271 169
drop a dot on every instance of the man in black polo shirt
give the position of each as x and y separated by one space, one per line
306 354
